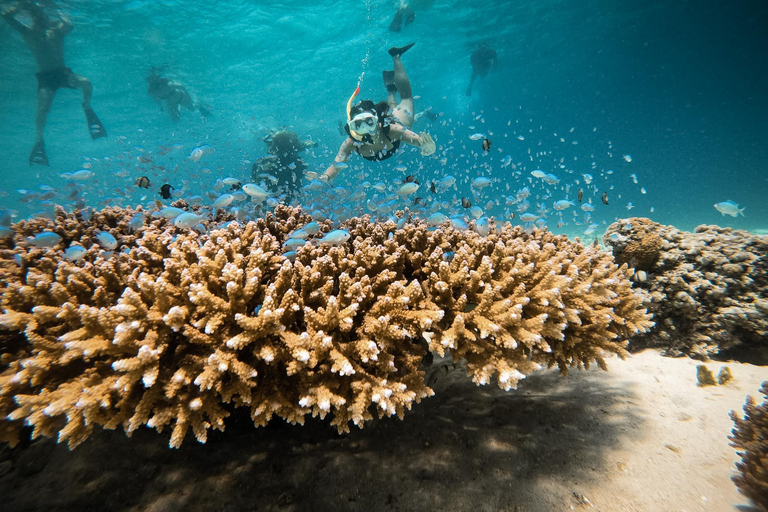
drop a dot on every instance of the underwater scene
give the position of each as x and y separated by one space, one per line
382 231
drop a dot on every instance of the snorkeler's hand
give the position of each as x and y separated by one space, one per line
428 145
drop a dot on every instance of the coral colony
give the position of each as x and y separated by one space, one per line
707 290
174 329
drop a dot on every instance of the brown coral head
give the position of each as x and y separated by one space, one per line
635 241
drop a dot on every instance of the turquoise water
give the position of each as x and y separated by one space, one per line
681 87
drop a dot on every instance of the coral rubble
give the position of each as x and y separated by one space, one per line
750 437
176 328
707 290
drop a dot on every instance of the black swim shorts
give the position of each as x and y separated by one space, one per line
54 79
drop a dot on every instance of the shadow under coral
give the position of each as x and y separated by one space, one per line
468 448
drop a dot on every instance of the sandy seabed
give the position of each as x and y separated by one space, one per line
641 437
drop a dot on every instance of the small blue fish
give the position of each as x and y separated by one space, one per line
106 240
187 220
482 227
312 228
729 208
301 234
481 182
335 237
293 243
75 253
137 221
169 212
562 204
437 219
45 239
223 201
86 214
459 223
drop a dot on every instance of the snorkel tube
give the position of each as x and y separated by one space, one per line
353 133
349 103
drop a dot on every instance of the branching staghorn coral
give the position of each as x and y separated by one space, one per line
707 289
174 329
750 437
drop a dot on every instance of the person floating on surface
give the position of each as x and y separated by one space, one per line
45 39
174 94
375 130
483 60
283 163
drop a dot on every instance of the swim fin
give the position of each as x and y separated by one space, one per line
396 52
38 156
397 21
389 81
409 16
95 127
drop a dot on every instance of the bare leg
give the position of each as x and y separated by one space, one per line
44 102
404 111
95 128
85 85
401 79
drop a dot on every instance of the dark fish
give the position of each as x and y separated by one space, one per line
165 191
412 179
417 200
466 203
486 145
142 182
432 187
605 197
580 195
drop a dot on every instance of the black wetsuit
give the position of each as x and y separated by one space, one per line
55 79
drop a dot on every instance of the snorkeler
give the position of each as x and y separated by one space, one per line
173 94
45 39
483 60
283 163
375 131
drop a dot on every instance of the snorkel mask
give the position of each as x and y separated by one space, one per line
362 124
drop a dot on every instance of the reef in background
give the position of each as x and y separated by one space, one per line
707 290
174 328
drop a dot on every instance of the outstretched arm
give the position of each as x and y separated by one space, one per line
344 151
422 140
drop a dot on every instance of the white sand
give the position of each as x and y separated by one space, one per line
675 455
641 437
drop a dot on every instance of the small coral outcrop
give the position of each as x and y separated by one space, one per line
706 290
173 329
750 437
